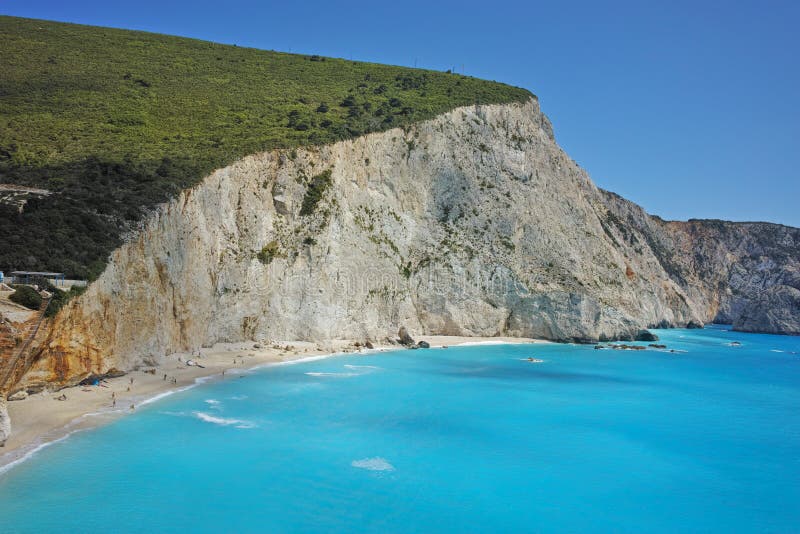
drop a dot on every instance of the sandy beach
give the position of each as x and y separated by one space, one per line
41 419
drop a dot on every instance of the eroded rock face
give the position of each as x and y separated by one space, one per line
5 423
474 223
726 268
776 310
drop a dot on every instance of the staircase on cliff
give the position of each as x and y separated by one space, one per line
15 359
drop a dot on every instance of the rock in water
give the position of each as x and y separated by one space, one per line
694 325
5 424
424 345
646 335
404 337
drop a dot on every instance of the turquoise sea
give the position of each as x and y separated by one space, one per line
468 439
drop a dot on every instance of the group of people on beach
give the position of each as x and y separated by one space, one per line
172 380
103 383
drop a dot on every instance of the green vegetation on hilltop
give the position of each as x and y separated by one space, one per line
114 122
26 296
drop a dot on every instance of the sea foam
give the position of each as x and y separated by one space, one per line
373 464
238 423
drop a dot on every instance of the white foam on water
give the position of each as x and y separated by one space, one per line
373 464
776 350
298 360
357 367
27 454
355 370
238 397
160 396
238 423
16 457
214 404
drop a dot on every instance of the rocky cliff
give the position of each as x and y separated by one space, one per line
5 422
745 274
473 223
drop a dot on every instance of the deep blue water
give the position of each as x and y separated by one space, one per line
472 439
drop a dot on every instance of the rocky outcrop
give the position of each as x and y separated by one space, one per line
404 338
646 335
19 395
474 223
776 310
5 423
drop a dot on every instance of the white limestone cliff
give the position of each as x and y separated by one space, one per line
473 223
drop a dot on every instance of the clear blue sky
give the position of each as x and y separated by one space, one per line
690 108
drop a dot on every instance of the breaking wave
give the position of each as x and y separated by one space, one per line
238 423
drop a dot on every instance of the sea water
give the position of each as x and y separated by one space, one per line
467 439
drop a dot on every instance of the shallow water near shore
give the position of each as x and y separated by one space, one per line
471 439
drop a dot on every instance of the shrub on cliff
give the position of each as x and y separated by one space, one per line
60 298
268 253
26 296
316 189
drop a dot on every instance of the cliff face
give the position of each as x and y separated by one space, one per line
5 422
474 223
745 274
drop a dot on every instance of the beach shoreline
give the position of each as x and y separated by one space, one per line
41 419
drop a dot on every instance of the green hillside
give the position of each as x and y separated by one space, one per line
112 122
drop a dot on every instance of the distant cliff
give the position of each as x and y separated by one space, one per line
472 223
744 274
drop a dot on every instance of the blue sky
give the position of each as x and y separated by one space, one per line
688 108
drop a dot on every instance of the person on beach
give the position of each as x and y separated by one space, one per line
165 377
132 407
